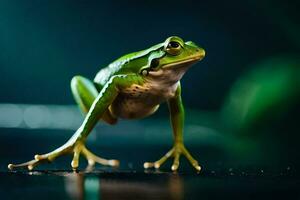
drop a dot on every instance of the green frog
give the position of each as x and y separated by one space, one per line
131 87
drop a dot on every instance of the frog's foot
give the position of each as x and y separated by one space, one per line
75 148
175 152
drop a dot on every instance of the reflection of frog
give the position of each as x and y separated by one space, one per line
131 87
80 186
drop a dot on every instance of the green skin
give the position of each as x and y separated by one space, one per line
131 87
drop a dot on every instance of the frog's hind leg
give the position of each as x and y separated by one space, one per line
85 92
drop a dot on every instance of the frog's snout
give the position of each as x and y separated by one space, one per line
196 50
200 53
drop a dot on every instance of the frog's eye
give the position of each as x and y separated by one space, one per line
154 63
173 44
173 48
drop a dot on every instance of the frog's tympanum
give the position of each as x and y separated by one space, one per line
131 87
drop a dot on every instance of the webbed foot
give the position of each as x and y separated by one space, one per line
175 152
76 148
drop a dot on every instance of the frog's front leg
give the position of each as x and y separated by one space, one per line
76 144
85 93
177 120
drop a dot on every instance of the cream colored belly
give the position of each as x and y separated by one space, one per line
130 108
140 101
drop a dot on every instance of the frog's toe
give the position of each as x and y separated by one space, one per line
190 158
159 162
38 159
176 161
92 159
29 165
75 160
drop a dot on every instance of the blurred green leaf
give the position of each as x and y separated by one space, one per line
270 88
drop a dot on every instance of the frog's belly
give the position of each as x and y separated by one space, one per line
133 108
138 101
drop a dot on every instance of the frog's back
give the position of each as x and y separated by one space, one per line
107 72
127 64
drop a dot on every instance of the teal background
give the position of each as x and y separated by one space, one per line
249 45
44 43
242 100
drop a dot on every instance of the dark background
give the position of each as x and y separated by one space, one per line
45 43
242 99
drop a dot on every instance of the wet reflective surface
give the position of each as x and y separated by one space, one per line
224 175
111 184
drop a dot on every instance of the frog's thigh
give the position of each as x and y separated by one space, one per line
85 92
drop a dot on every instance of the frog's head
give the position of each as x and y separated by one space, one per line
172 59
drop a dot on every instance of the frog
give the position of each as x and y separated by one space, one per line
131 87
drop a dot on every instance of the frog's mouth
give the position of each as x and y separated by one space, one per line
186 62
181 65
